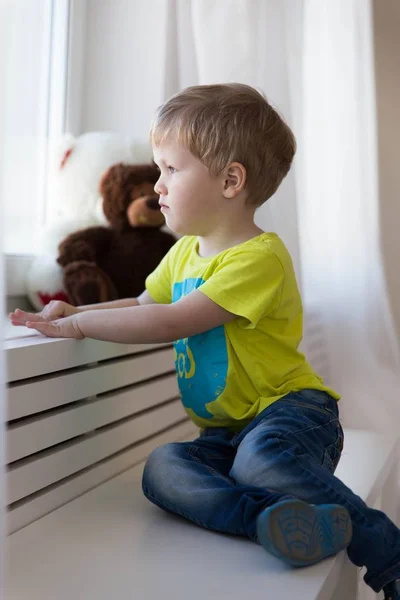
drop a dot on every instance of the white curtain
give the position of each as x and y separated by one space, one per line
314 61
343 278
239 40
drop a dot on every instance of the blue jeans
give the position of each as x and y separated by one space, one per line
222 481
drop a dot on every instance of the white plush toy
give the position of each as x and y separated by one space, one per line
76 167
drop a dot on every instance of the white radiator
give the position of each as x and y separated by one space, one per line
78 413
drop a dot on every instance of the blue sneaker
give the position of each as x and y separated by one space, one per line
392 590
302 534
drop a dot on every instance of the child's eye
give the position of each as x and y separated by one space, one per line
171 169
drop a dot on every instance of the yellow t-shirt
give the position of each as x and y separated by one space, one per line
231 373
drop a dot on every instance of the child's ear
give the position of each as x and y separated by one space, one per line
234 179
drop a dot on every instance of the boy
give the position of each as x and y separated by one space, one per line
226 294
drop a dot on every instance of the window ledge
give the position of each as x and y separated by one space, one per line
10 332
31 354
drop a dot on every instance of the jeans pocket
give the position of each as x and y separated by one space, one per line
333 453
319 400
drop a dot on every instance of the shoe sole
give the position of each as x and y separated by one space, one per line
302 534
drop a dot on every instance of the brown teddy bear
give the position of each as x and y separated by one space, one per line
108 263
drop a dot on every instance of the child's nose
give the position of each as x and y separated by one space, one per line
160 188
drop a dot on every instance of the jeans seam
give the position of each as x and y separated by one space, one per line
306 404
380 579
307 430
294 434
211 469
191 450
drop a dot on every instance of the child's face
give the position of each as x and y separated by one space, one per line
191 198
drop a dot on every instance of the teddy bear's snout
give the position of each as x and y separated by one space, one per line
152 203
145 211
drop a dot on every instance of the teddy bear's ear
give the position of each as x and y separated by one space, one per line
60 149
61 144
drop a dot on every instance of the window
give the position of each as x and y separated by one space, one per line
32 111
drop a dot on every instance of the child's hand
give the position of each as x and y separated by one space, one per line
56 309
66 327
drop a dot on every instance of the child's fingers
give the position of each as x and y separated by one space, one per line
16 315
16 320
20 313
23 316
43 327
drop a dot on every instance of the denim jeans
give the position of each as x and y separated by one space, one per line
222 481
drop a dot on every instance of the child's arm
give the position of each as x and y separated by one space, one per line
155 323
141 300
57 309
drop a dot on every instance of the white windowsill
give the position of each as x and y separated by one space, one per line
10 332
30 354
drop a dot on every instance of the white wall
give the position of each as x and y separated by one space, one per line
387 61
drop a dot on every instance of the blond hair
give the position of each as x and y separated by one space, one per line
225 123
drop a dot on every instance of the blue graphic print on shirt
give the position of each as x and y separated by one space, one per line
201 360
